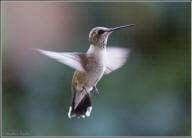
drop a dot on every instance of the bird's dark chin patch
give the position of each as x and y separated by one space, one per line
83 109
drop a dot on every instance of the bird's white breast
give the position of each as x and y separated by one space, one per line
98 53
97 63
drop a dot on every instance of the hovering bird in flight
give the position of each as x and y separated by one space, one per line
99 60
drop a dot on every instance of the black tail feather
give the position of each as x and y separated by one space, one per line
82 109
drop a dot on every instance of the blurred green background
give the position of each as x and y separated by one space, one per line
150 95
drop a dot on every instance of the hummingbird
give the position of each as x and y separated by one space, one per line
90 67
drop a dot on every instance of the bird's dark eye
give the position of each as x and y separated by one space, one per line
100 32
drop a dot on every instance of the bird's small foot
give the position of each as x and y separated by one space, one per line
95 90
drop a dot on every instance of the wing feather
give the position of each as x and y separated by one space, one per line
74 60
116 58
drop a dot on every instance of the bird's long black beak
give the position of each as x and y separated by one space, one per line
119 27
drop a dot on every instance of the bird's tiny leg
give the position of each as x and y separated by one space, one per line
95 90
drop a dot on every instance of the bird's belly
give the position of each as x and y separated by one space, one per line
94 76
89 79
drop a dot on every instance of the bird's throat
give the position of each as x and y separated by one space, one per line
97 52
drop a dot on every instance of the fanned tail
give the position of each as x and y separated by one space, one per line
81 104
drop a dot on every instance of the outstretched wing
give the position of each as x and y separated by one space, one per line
74 60
116 58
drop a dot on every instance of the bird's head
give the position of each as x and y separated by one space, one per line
98 36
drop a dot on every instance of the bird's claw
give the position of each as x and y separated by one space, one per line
95 90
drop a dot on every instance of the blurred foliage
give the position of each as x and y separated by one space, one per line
150 95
